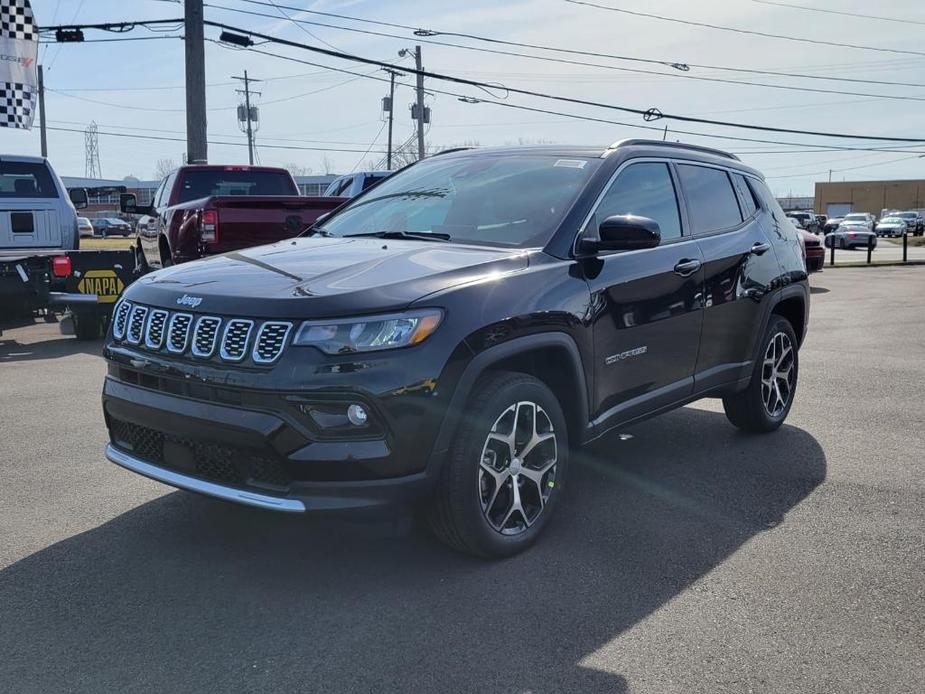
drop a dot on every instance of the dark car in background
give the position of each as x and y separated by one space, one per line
110 226
915 223
447 337
813 251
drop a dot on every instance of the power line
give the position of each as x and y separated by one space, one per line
648 114
129 107
749 32
839 12
211 142
533 109
306 31
677 64
564 61
850 168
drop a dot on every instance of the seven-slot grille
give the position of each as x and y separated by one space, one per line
234 342
205 336
202 336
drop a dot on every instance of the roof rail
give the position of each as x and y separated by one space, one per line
677 145
450 151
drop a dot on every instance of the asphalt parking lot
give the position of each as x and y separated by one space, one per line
686 557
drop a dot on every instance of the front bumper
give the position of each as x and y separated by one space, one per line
250 453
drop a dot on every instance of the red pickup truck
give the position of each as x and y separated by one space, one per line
201 210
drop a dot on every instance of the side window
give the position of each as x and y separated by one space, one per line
164 195
158 194
710 198
746 197
645 190
344 187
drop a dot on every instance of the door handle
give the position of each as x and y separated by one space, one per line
760 248
687 267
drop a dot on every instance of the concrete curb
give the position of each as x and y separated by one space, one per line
875 263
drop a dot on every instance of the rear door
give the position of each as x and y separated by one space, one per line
646 304
740 266
30 208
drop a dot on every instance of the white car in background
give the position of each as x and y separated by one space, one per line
891 226
860 219
84 227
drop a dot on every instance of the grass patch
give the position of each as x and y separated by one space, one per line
913 241
115 243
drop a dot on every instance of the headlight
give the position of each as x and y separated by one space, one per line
369 334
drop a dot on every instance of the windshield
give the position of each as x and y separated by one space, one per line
856 218
907 215
514 201
892 220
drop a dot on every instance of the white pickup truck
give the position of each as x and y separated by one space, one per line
41 268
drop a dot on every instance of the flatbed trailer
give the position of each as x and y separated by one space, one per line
86 284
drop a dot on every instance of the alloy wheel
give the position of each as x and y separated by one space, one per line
517 468
777 374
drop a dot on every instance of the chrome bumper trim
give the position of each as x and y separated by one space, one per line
193 484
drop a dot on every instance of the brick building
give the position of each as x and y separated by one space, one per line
837 199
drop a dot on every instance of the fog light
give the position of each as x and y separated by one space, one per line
357 415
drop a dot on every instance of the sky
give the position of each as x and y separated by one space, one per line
136 87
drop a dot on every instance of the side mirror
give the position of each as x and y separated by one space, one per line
78 197
624 232
128 204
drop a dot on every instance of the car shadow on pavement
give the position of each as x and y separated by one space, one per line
11 350
188 594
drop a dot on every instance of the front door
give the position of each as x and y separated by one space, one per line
647 304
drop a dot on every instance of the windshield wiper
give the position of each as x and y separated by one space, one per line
415 235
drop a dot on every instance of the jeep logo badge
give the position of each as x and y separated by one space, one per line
191 301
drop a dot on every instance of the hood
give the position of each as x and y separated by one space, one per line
322 277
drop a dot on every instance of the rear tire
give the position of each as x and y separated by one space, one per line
505 470
87 326
764 405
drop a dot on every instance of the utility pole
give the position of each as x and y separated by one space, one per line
196 147
420 92
44 136
249 114
391 109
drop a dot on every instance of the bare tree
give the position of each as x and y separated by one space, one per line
327 165
298 169
164 167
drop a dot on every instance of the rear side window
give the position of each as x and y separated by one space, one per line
710 198
746 197
644 190
25 180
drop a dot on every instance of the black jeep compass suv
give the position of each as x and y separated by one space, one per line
447 336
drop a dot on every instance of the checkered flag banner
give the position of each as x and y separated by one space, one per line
18 54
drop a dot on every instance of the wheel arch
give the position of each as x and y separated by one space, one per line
552 358
792 305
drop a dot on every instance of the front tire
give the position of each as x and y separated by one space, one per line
505 470
764 405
